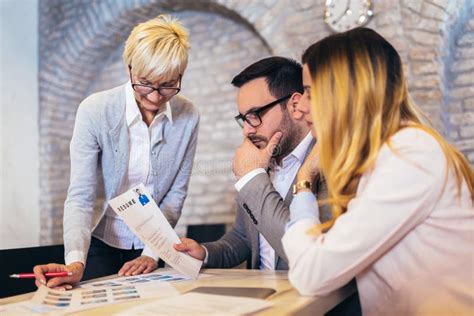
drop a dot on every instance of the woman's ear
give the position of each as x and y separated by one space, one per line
292 106
129 71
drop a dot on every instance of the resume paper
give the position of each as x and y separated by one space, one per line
140 212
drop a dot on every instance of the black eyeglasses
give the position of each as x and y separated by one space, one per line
254 117
164 91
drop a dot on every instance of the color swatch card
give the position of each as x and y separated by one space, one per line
47 300
137 279
140 212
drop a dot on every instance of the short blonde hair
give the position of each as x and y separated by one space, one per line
157 49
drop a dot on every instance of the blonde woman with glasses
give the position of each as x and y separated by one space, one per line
139 132
401 195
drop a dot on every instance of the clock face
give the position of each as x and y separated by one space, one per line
343 15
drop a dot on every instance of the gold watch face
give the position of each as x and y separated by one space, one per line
301 185
343 15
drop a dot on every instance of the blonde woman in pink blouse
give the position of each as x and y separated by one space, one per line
401 196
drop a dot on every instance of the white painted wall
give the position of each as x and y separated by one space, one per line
19 163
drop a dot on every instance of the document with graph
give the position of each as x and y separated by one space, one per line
140 212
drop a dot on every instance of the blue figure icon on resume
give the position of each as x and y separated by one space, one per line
142 198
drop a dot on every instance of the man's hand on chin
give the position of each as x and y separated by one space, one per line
248 157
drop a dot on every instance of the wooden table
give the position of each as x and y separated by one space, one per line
286 300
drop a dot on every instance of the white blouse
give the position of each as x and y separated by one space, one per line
407 236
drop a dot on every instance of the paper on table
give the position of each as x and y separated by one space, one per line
200 304
161 275
144 218
19 308
48 300
149 278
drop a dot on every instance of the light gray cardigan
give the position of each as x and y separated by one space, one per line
100 149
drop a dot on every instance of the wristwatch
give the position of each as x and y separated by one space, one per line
302 185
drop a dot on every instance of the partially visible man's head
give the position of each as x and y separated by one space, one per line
268 80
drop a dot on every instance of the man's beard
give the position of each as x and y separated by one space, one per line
290 139
288 142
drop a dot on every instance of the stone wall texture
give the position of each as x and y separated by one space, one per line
80 52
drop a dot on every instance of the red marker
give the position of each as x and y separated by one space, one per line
48 274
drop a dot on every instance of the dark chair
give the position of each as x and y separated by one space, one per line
205 233
19 260
343 303
349 307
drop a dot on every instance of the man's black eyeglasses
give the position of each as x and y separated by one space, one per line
254 117
164 91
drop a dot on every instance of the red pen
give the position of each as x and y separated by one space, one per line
48 274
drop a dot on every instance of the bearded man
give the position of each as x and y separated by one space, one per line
273 119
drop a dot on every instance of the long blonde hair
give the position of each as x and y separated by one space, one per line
359 100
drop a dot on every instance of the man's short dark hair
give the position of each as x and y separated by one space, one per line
283 75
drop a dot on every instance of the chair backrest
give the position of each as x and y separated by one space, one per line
205 233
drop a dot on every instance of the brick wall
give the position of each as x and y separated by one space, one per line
459 83
80 52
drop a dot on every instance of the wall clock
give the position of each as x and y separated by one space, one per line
343 15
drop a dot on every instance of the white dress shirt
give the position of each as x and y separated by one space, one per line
112 230
282 178
407 236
